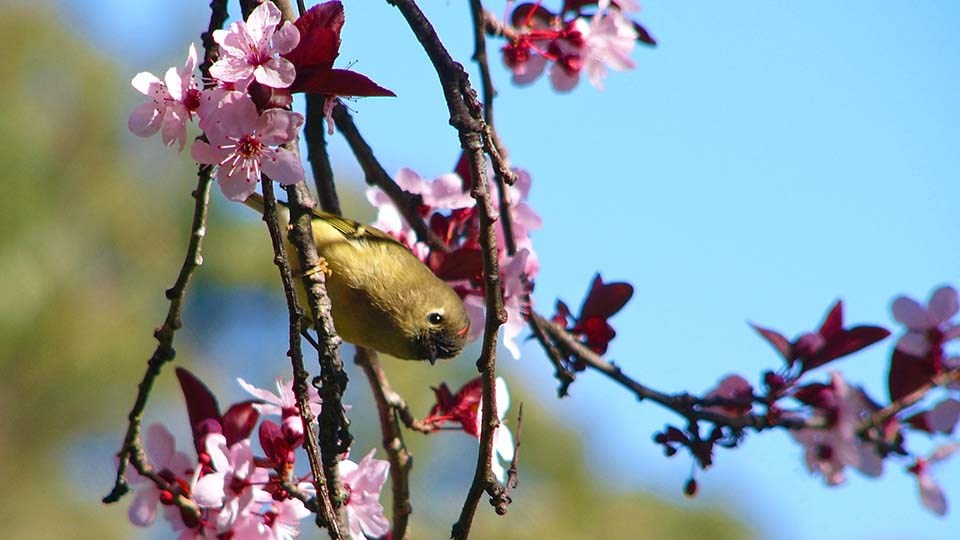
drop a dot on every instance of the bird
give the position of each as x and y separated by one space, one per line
382 297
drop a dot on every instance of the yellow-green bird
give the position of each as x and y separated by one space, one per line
382 296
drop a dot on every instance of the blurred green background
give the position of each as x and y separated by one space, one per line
95 224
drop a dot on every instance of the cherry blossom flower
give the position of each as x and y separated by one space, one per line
930 326
609 39
284 404
363 483
828 451
173 466
512 270
241 143
173 101
278 521
931 495
466 408
235 483
249 49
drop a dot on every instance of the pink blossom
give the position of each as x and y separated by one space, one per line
363 482
931 495
235 483
173 466
249 49
610 38
172 102
503 448
283 400
735 388
927 326
512 270
278 521
241 143
830 450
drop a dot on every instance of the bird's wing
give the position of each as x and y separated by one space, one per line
353 230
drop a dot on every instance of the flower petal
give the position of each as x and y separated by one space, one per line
910 313
283 166
276 73
145 119
943 304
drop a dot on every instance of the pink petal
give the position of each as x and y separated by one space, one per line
260 393
277 126
263 20
230 69
276 73
943 304
446 191
283 166
174 127
529 71
410 181
143 510
931 495
236 116
944 416
202 152
503 397
909 312
146 83
561 80
503 443
238 186
174 83
145 119
191 63
286 38
208 492
161 445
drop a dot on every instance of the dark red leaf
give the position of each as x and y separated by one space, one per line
319 37
780 343
464 263
273 442
201 403
643 36
843 343
239 421
463 169
908 372
815 394
527 13
833 323
920 421
598 332
605 299
338 82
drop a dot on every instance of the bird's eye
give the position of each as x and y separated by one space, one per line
435 317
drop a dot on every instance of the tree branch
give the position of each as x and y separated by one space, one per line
132 449
318 156
327 517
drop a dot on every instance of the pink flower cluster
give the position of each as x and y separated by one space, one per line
244 111
840 426
228 491
452 215
571 42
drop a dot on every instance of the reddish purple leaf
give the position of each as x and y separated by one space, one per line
319 37
815 394
920 421
338 82
843 343
605 299
201 406
833 323
643 35
274 444
775 339
908 373
239 421
464 263
526 13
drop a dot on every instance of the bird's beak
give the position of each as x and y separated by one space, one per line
432 360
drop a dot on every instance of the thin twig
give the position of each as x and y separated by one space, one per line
327 516
132 449
400 459
315 135
374 174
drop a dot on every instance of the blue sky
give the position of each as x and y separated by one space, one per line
764 160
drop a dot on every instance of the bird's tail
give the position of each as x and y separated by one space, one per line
255 202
